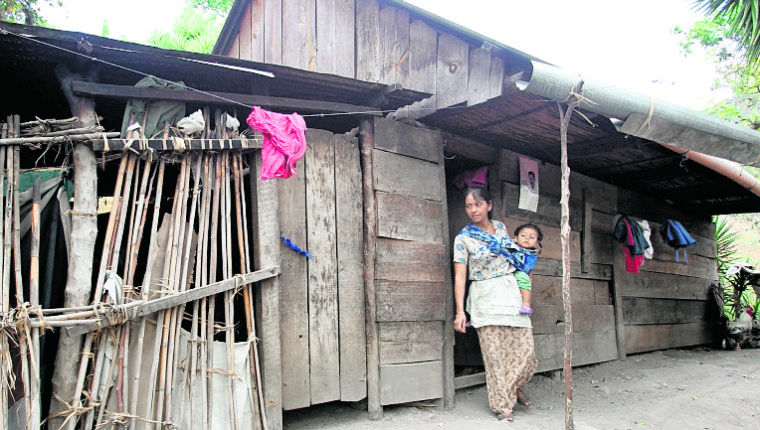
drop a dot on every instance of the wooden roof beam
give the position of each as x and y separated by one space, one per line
89 89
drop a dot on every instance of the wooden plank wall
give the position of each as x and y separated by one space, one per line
321 299
667 304
412 289
593 312
371 41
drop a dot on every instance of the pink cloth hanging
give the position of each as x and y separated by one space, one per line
284 141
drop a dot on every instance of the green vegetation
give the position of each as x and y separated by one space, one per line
196 29
23 11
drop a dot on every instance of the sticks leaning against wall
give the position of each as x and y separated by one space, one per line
155 356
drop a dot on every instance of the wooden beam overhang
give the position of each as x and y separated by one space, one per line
125 92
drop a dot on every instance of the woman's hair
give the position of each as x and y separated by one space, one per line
478 193
534 227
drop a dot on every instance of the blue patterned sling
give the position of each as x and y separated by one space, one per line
523 259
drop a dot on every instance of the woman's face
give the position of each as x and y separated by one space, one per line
477 209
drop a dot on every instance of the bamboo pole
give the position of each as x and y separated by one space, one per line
565 116
245 264
144 292
34 273
4 293
204 276
214 237
229 295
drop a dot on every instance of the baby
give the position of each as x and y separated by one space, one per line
528 236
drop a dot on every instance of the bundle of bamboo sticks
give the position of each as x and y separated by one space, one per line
166 368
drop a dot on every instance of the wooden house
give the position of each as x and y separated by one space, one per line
398 103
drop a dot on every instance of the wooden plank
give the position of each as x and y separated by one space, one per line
618 268
448 328
451 71
344 37
410 342
403 260
602 292
265 231
479 78
386 37
409 382
299 38
588 348
603 223
496 79
704 247
662 285
125 92
410 301
697 266
234 50
461 146
328 56
552 267
470 380
272 31
367 40
587 248
407 218
649 208
244 35
605 196
407 176
643 311
547 290
400 51
353 342
548 211
602 247
367 142
324 352
294 300
643 338
257 30
422 57
586 319
407 140
171 145
166 302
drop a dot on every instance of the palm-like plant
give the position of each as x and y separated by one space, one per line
743 18
193 32
726 247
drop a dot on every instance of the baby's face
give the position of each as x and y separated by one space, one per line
527 238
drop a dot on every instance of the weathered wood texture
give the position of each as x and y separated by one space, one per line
293 293
322 299
412 260
324 352
348 191
667 304
368 40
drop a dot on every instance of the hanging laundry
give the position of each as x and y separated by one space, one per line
630 234
647 232
284 141
675 235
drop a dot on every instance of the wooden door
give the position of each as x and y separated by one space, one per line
412 268
322 297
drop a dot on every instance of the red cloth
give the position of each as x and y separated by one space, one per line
284 141
632 262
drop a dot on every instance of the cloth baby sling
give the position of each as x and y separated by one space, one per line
523 259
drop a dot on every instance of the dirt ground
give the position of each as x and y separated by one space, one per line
697 388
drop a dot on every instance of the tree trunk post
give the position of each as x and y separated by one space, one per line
83 234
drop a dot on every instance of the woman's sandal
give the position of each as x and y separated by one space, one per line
522 398
507 417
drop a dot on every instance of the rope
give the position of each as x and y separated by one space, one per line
648 118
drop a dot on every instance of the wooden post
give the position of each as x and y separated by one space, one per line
587 244
84 230
449 389
265 231
565 117
367 141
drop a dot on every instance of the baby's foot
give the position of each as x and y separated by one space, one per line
525 310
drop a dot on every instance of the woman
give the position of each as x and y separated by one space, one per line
505 335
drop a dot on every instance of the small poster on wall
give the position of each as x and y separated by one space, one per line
528 184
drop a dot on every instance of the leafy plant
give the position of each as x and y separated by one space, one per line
738 292
726 247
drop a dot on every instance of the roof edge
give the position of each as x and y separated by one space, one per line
646 117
